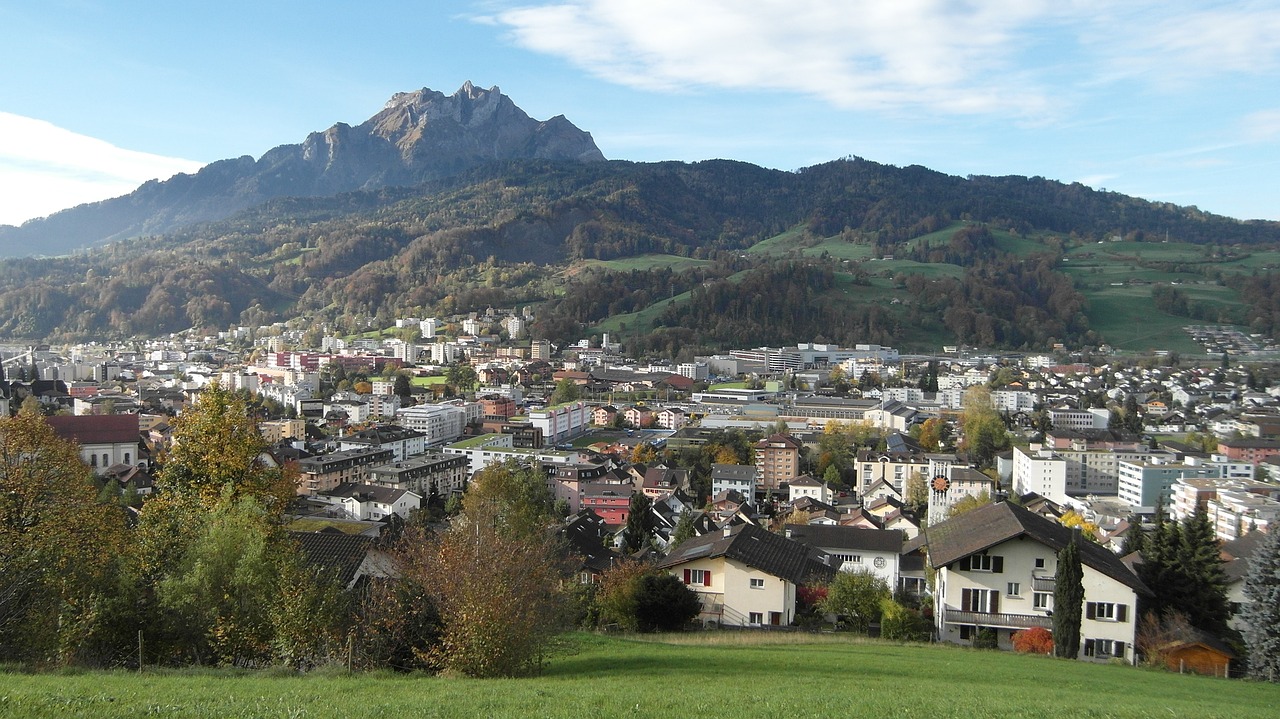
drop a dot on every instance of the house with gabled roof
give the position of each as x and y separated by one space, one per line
746 576
852 548
996 570
104 440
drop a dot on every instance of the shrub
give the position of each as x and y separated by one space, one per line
1036 640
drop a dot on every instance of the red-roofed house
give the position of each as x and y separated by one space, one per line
104 440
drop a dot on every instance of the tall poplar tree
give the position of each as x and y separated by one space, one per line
1068 601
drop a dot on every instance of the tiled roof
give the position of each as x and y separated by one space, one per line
97 428
837 537
755 547
337 552
993 524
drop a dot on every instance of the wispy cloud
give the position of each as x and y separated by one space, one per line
1007 57
861 54
45 168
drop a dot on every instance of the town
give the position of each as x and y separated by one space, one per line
953 481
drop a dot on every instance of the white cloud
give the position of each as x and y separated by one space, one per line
45 168
861 54
1261 126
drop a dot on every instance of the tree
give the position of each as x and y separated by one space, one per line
497 593
644 453
968 503
461 376
58 545
1135 538
637 530
1074 520
510 496
1203 586
855 598
216 446
1261 614
403 387
566 391
985 434
684 529
639 598
1068 601
221 594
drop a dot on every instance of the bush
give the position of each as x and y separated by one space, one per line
640 598
1036 640
902 623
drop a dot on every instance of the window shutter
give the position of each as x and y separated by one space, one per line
995 601
706 578
1091 610
1122 612
1088 647
966 600
1119 648
965 564
997 564
686 576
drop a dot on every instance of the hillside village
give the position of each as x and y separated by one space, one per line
758 470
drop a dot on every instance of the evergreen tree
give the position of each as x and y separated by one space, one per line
1068 601
1202 581
403 388
1261 614
684 530
1135 538
637 532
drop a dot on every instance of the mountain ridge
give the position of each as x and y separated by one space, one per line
417 136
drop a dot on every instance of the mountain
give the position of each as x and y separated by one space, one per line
418 136
677 257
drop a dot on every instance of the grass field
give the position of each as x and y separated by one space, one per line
647 262
787 676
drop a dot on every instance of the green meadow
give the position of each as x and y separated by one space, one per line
785 676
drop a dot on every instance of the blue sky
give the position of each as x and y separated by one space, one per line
1172 101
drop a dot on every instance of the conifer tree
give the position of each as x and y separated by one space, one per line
1068 601
1202 594
1135 538
1261 614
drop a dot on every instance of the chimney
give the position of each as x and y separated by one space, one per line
728 530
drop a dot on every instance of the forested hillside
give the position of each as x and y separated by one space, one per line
863 252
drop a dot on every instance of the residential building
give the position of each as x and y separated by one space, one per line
562 422
995 571
807 486
403 441
877 551
368 502
323 473
746 576
739 478
423 473
777 460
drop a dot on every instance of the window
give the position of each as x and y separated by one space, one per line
850 558
966 631
1041 600
127 459
983 563
986 601
755 619
106 461
1106 611
697 577
1014 589
1039 562
1103 648
757 583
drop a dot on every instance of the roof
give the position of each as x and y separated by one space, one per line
837 537
368 493
96 428
993 524
334 551
755 547
772 441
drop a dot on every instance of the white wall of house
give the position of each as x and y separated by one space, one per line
1022 561
744 602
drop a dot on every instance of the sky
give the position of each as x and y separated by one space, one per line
1172 101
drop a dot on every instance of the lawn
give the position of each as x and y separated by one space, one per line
789 676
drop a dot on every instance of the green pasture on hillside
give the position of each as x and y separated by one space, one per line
648 262
741 674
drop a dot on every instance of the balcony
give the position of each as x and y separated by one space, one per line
1004 621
